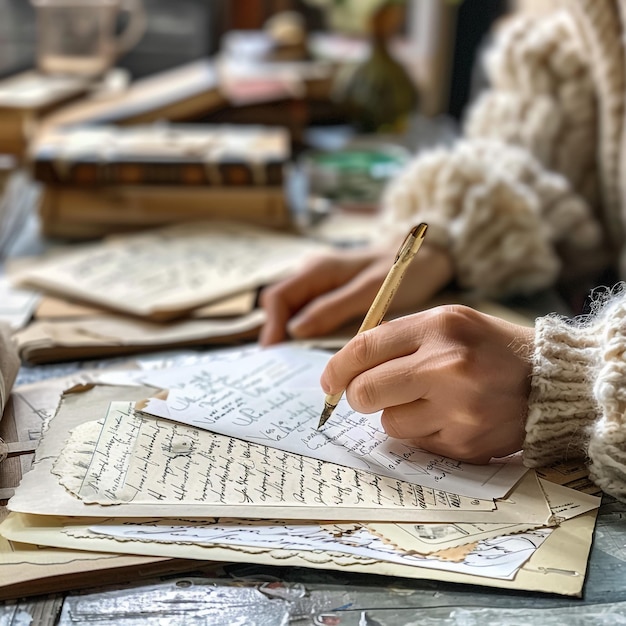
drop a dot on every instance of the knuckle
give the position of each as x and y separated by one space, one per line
462 368
456 319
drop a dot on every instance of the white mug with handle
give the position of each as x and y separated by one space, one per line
80 38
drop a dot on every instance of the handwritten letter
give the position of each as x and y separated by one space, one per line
129 458
273 397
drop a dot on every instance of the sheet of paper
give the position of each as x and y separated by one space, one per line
50 307
273 398
98 336
495 558
558 566
31 406
146 364
41 492
162 273
566 503
143 460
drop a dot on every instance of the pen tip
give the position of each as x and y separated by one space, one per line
325 416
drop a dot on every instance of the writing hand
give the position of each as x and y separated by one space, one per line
340 286
450 380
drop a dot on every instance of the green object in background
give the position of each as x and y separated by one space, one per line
354 177
378 94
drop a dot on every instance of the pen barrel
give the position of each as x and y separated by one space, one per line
383 298
385 295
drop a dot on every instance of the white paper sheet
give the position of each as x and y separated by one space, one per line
498 557
16 305
273 397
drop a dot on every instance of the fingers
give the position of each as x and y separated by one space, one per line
394 383
340 286
395 339
289 297
282 300
328 313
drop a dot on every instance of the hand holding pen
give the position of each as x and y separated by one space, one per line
380 305
450 380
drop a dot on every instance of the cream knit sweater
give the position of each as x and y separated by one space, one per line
535 190
516 202
578 394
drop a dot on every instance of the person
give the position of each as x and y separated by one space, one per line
532 196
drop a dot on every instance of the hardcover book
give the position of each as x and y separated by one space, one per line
81 213
172 154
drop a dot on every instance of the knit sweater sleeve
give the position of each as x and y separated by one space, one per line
511 200
577 405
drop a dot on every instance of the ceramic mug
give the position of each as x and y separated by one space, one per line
78 37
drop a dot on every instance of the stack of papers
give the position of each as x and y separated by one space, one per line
190 284
219 459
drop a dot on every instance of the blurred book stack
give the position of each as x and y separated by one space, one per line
106 179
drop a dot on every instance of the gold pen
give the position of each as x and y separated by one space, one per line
383 298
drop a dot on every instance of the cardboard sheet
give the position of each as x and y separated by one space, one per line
557 566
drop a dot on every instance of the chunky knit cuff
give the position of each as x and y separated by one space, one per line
607 444
561 404
495 209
